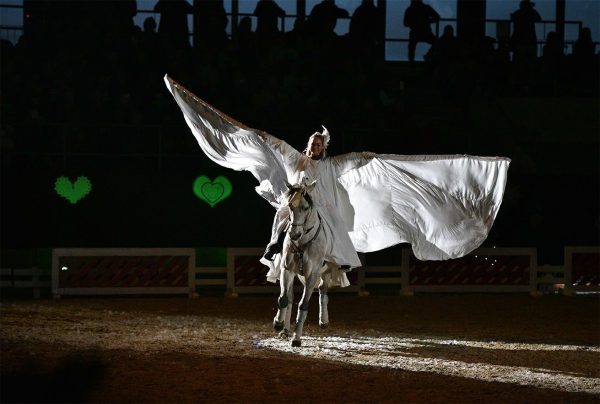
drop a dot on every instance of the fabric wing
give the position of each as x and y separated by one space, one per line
230 143
443 205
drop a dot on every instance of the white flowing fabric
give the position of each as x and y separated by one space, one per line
443 205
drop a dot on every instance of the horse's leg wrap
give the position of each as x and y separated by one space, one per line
303 306
323 312
281 316
301 317
299 325
282 301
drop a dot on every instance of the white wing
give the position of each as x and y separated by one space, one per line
232 144
443 205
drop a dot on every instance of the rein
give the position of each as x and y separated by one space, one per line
300 248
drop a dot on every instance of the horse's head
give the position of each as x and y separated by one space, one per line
300 204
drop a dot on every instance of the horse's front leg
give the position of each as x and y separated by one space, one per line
281 322
285 333
323 301
309 287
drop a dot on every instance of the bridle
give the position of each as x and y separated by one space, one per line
300 248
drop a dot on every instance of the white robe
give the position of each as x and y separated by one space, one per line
444 206
329 197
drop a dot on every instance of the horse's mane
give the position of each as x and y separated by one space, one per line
299 188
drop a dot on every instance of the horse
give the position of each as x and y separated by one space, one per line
303 255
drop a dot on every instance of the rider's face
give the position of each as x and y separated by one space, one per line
316 147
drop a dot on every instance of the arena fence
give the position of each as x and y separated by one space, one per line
582 269
484 270
92 271
34 278
174 271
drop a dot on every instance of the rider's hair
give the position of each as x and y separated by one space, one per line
310 140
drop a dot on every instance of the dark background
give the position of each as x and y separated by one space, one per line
82 94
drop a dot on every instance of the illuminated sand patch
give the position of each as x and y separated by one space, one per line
565 368
395 353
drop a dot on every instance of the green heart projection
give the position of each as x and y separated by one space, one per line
73 192
212 192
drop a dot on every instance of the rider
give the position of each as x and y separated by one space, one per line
330 199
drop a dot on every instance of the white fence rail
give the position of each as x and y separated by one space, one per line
34 278
166 271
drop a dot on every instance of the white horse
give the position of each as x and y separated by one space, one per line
303 255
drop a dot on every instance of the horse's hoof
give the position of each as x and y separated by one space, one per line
323 325
284 334
277 326
296 343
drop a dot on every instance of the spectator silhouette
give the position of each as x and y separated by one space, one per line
584 48
445 49
210 23
443 56
323 18
524 39
584 64
121 16
499 68
245 43
551 64
149 35
365 27
552 52
419 17
267 14
149 42
150 26
173 28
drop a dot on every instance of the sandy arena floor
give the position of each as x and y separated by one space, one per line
421 349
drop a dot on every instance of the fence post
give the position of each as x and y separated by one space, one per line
405 274
230 288
192 294
35 281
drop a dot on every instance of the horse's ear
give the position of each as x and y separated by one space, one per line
311 186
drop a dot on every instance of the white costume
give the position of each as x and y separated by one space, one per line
328 195
443 205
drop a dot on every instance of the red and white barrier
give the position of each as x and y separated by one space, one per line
93 271
484 270
582 269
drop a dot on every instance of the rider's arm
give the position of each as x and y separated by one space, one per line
288 153
349 161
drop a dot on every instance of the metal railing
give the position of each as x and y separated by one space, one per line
13 32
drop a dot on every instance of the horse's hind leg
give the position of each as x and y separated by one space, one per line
323 301
281 320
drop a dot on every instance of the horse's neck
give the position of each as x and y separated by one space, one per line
313 223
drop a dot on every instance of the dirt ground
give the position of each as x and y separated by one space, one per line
429 348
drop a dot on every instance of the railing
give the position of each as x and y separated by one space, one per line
485 270
12 32
35 279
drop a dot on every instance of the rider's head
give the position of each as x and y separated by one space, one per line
317 145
